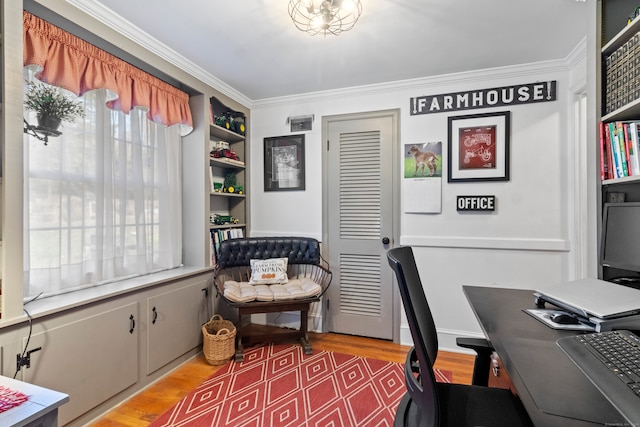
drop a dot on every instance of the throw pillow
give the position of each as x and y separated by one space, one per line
268 271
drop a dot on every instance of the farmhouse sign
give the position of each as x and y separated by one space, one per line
484 98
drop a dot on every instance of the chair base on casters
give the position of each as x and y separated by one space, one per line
464 409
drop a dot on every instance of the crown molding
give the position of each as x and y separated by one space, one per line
422 83
127 29
132 32
579 53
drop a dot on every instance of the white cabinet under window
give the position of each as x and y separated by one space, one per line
80 358
104 353
174 319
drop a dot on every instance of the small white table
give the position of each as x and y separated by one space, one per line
40 410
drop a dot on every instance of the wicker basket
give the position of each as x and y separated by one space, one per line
219 340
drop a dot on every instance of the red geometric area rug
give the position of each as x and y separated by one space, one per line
279 386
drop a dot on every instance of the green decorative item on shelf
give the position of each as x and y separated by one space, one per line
224 219
222 121
230 182
227 118
51 105
237 123
633 15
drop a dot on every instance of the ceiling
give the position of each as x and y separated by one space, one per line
252 46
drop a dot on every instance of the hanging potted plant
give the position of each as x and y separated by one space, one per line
51 105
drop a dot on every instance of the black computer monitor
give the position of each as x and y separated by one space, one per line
620 242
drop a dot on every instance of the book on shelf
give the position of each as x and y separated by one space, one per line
610 164
220 235
604 167
615 149
212 250
634 155
620 149
624 152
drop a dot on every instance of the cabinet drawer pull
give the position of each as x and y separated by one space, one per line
155 316
132 324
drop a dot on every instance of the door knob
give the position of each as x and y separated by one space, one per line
385 240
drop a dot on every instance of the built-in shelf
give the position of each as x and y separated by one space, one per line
625 188
224 134
225 141
630 111
223 162
215 193
622 37
225 226
624 180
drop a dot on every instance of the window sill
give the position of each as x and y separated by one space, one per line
59 303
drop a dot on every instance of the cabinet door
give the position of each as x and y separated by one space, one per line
80 357
174 321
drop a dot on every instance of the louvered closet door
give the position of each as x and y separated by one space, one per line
360 215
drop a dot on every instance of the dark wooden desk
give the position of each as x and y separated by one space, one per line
551 387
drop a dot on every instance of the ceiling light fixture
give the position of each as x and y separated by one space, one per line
325 16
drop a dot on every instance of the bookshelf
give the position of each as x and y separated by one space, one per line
228 175
620 99
620 88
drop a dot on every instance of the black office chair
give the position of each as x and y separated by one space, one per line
428 403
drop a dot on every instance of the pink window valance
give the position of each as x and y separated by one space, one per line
69 62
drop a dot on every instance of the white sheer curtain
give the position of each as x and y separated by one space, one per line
102 202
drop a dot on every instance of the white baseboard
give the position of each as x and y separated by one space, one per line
446 339
291 319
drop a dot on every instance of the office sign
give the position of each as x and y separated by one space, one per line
529 93
476 203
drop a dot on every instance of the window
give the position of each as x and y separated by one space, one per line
102 201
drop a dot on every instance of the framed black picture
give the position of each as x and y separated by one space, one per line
284 163
479 147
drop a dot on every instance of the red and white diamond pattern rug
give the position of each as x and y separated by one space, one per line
278 386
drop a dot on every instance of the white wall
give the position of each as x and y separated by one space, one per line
527 241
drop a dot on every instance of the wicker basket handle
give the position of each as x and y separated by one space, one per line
225 330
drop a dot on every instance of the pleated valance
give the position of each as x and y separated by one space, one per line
69 62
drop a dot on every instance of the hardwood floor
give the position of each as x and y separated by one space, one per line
146 406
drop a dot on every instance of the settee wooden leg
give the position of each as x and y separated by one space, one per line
306 346
239 357
304 339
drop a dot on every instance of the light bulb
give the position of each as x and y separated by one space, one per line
348 6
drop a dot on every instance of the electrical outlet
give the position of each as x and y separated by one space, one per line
26 360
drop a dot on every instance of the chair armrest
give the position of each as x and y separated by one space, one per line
474 343
482 364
